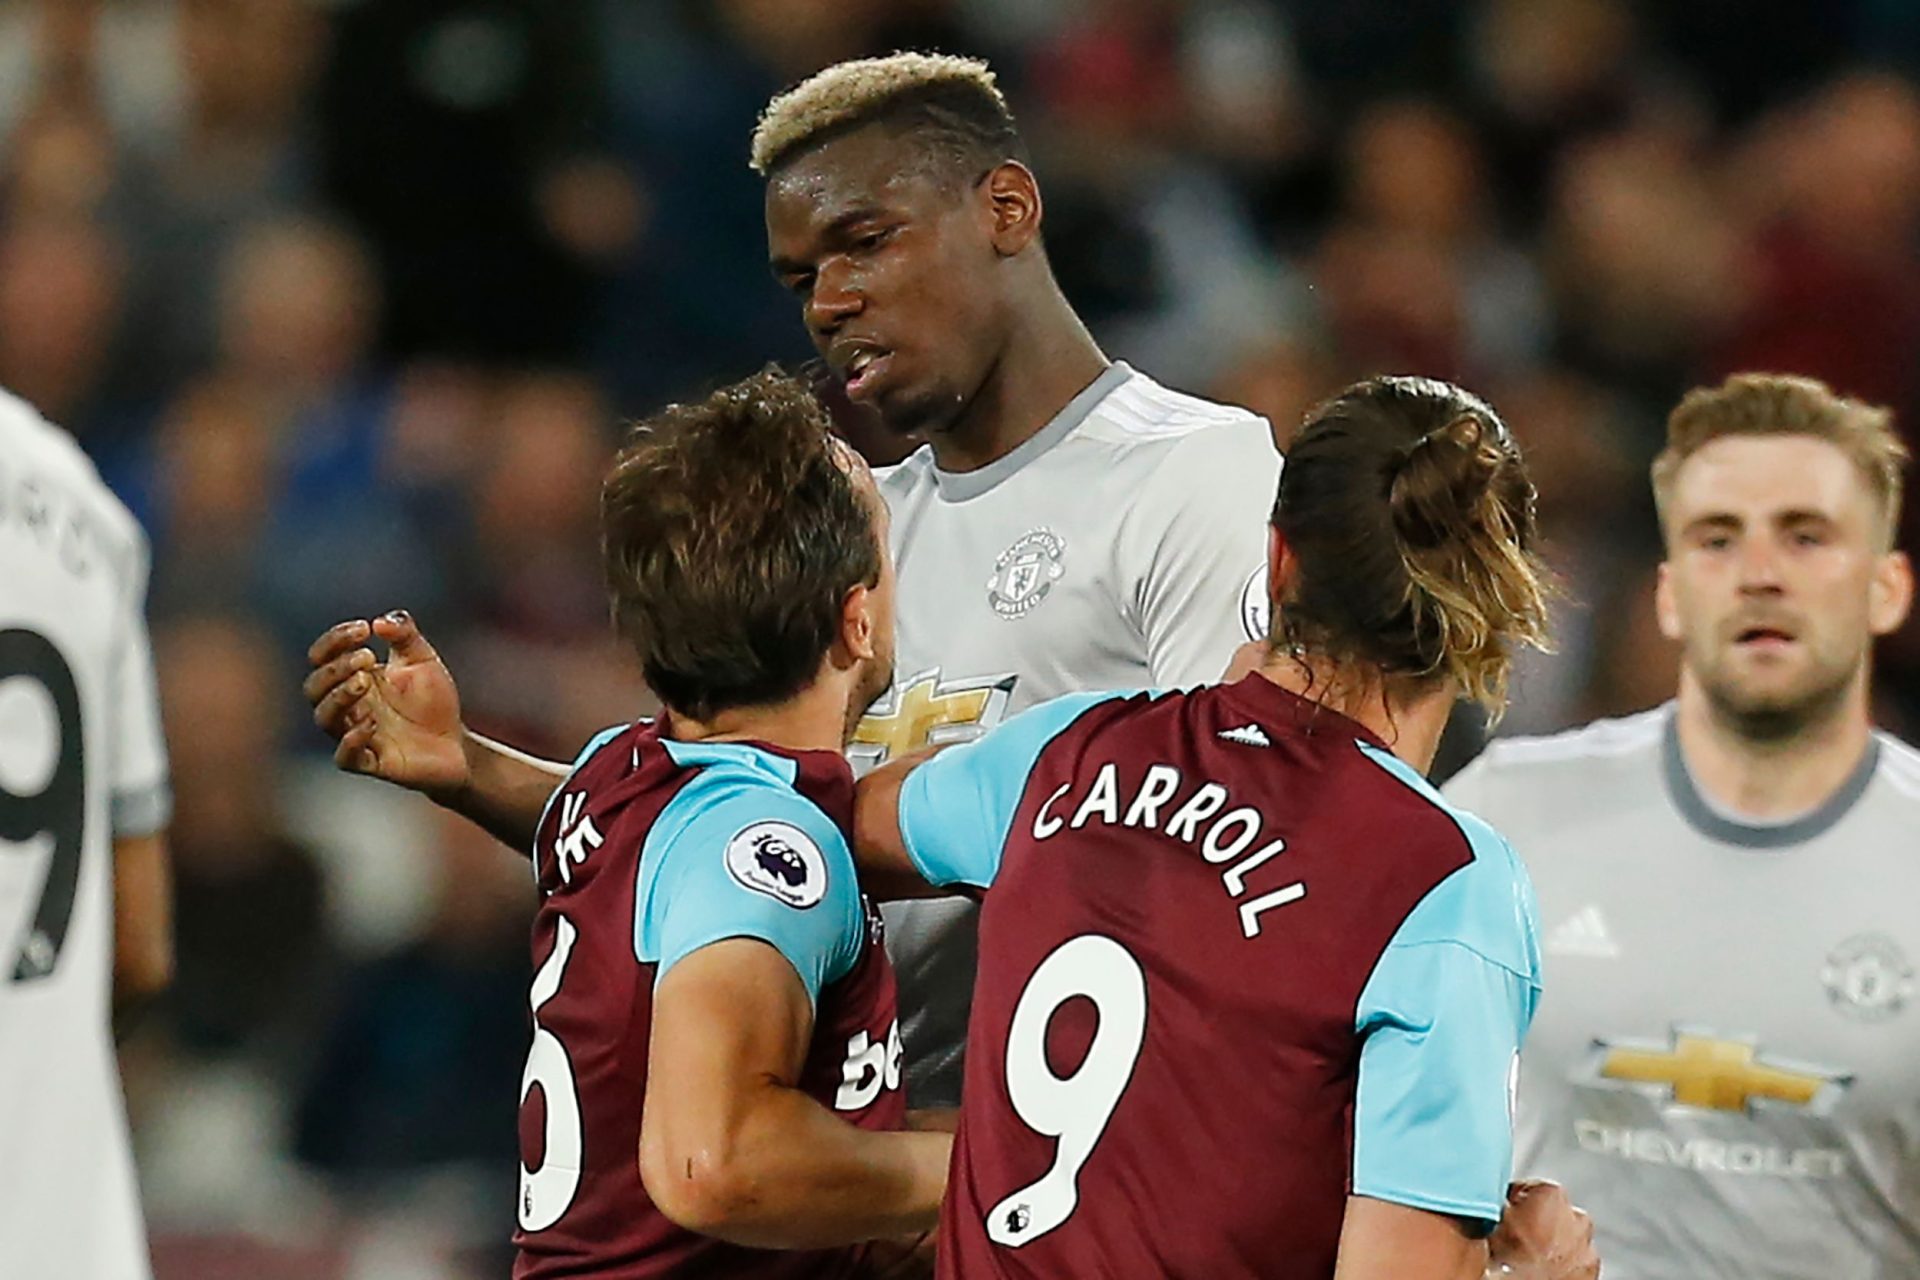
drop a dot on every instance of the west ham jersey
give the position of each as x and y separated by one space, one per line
651 850
81 762
1237 961
1123 546
1727 1070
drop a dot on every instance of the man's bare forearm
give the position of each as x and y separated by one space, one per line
506 790
799 1177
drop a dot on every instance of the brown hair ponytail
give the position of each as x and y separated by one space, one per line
1409 511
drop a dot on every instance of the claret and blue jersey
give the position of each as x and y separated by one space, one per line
650 850
1237 961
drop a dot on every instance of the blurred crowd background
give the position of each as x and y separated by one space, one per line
347 301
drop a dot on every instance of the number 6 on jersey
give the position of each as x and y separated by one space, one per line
546 1195
1073 1109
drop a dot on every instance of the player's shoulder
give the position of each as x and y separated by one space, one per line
1898 766
1147 417
1574 751
740 792
51 454
1486 901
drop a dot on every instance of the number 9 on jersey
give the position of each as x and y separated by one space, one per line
1073 1109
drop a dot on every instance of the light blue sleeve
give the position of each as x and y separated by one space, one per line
1442 1019
740 858
956 808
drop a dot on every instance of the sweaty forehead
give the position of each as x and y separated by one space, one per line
1759 476
873 167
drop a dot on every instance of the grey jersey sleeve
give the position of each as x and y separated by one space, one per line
1201 526
138 770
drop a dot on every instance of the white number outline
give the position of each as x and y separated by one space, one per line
546 1196
1073 1109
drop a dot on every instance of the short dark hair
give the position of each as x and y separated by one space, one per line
950 105
731 531
1409 510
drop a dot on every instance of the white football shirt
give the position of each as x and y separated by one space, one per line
1725 1068
81 762
1123 546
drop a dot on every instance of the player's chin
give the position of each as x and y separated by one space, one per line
916 408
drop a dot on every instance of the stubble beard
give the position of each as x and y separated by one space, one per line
1777 719
874 682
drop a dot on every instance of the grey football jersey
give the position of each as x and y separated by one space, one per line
1123 546
1725 1068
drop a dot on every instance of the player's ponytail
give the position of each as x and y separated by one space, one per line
1410 514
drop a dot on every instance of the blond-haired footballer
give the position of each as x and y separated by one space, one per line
1726 1066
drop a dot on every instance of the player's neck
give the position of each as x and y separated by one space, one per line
815 719
1771 778
1410 726
1049 358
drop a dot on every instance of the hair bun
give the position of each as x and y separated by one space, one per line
1441 482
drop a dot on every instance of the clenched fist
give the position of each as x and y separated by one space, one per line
1543 1236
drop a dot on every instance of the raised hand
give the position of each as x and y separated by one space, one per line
398 720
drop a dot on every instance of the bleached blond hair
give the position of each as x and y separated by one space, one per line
958 95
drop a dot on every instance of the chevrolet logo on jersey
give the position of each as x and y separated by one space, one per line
924 711
1697 1069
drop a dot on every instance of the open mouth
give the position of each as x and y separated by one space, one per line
864 370
859 365
1763 637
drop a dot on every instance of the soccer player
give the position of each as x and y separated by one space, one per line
1250 992
1069 523
715 1049
84 905
1726 1067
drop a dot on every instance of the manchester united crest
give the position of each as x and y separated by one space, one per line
1025 573
1868 977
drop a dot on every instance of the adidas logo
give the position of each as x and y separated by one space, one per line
1249 735
1583 933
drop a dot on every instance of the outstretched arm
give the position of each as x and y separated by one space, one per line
729 1145
399 721
887 871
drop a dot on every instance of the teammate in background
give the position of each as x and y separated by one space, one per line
85 910
701 941
1726 1068
1264 940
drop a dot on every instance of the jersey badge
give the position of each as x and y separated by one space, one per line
779 860
1256 611
1025 572
1868 977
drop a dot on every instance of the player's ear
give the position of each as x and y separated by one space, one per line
1665 608
1012 201
1282 566
859 624
1890 594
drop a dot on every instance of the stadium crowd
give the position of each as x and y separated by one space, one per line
347 300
